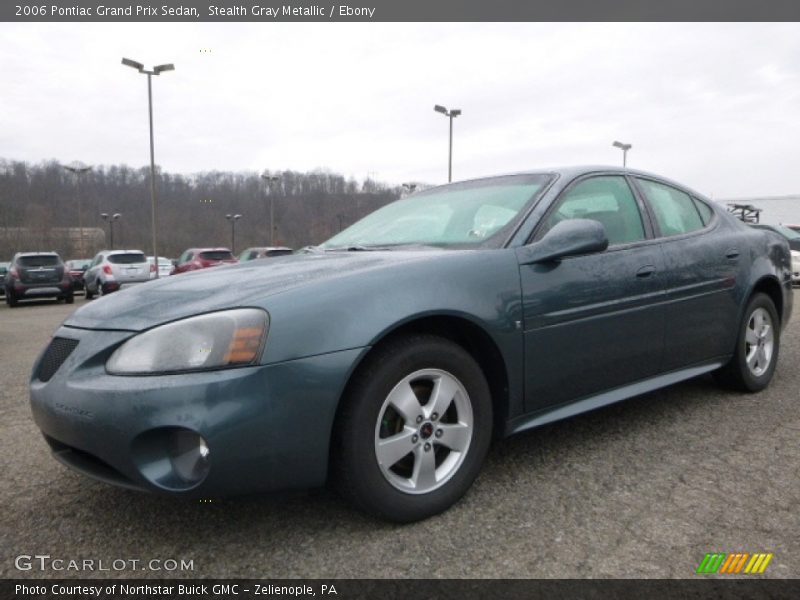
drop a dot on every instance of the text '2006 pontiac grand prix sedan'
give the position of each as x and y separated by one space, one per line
386 359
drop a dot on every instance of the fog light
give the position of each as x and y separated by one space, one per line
188 453
172 458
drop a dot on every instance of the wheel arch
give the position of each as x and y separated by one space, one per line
460 330
769 285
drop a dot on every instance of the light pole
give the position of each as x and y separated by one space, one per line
270 181
78 168
110 220
451 114
624 148
233 219
156 71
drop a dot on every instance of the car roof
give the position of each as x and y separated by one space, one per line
570 172
51 253
109 252
210 249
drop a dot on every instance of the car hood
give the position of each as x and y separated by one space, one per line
246 284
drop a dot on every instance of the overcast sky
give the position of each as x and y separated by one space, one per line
715 106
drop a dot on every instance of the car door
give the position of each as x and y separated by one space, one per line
90 277
702 261
593 322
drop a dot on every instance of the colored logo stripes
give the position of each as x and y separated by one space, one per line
734 563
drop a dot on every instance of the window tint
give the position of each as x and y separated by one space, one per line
607 200
674 211
217 255
705 211
47 260
127 259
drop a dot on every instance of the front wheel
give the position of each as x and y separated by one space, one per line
753 363
414 429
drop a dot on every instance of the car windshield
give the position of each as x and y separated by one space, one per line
789 234
47 260
463 214
216 255
127 259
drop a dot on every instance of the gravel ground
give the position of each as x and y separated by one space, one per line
641 489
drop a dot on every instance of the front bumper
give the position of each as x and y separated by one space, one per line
266 427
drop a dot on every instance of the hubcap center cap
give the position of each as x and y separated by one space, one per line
426 431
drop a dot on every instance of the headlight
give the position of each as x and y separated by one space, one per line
230 338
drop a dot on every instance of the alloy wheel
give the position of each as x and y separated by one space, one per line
424 431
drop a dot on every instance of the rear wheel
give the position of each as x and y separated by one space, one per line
70 299
11 299
88 293
753 363
414 429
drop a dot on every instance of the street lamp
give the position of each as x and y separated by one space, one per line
156 71
110 220
451 114
77 168
624 148
270 181
233 219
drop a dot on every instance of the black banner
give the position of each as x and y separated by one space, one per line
417 589
398 11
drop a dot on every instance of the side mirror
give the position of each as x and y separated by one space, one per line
572 237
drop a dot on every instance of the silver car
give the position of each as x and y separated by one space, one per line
164 267
113 269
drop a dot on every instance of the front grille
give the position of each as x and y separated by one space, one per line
54 357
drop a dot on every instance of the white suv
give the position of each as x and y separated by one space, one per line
112 269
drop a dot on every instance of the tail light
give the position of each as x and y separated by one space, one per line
152 268
107 269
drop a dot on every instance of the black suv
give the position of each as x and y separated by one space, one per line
37 275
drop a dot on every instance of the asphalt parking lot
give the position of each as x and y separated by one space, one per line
641 489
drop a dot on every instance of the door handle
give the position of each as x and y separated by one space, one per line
732 253
645 271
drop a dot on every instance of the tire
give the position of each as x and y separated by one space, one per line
406 375
757 345
88 294
69 299
11 299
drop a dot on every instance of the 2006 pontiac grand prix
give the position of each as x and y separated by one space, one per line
386 359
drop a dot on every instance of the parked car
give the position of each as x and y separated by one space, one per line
113 269
3 271
164 267
202 258
386 359
265 252
76 268
33 275
795 267
791 235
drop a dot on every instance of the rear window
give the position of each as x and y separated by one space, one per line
127 259
216 255
50 260
278 252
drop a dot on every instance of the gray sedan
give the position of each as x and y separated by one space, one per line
386 360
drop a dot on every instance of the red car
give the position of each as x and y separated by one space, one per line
202 258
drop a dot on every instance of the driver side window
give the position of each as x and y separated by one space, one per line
606 199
